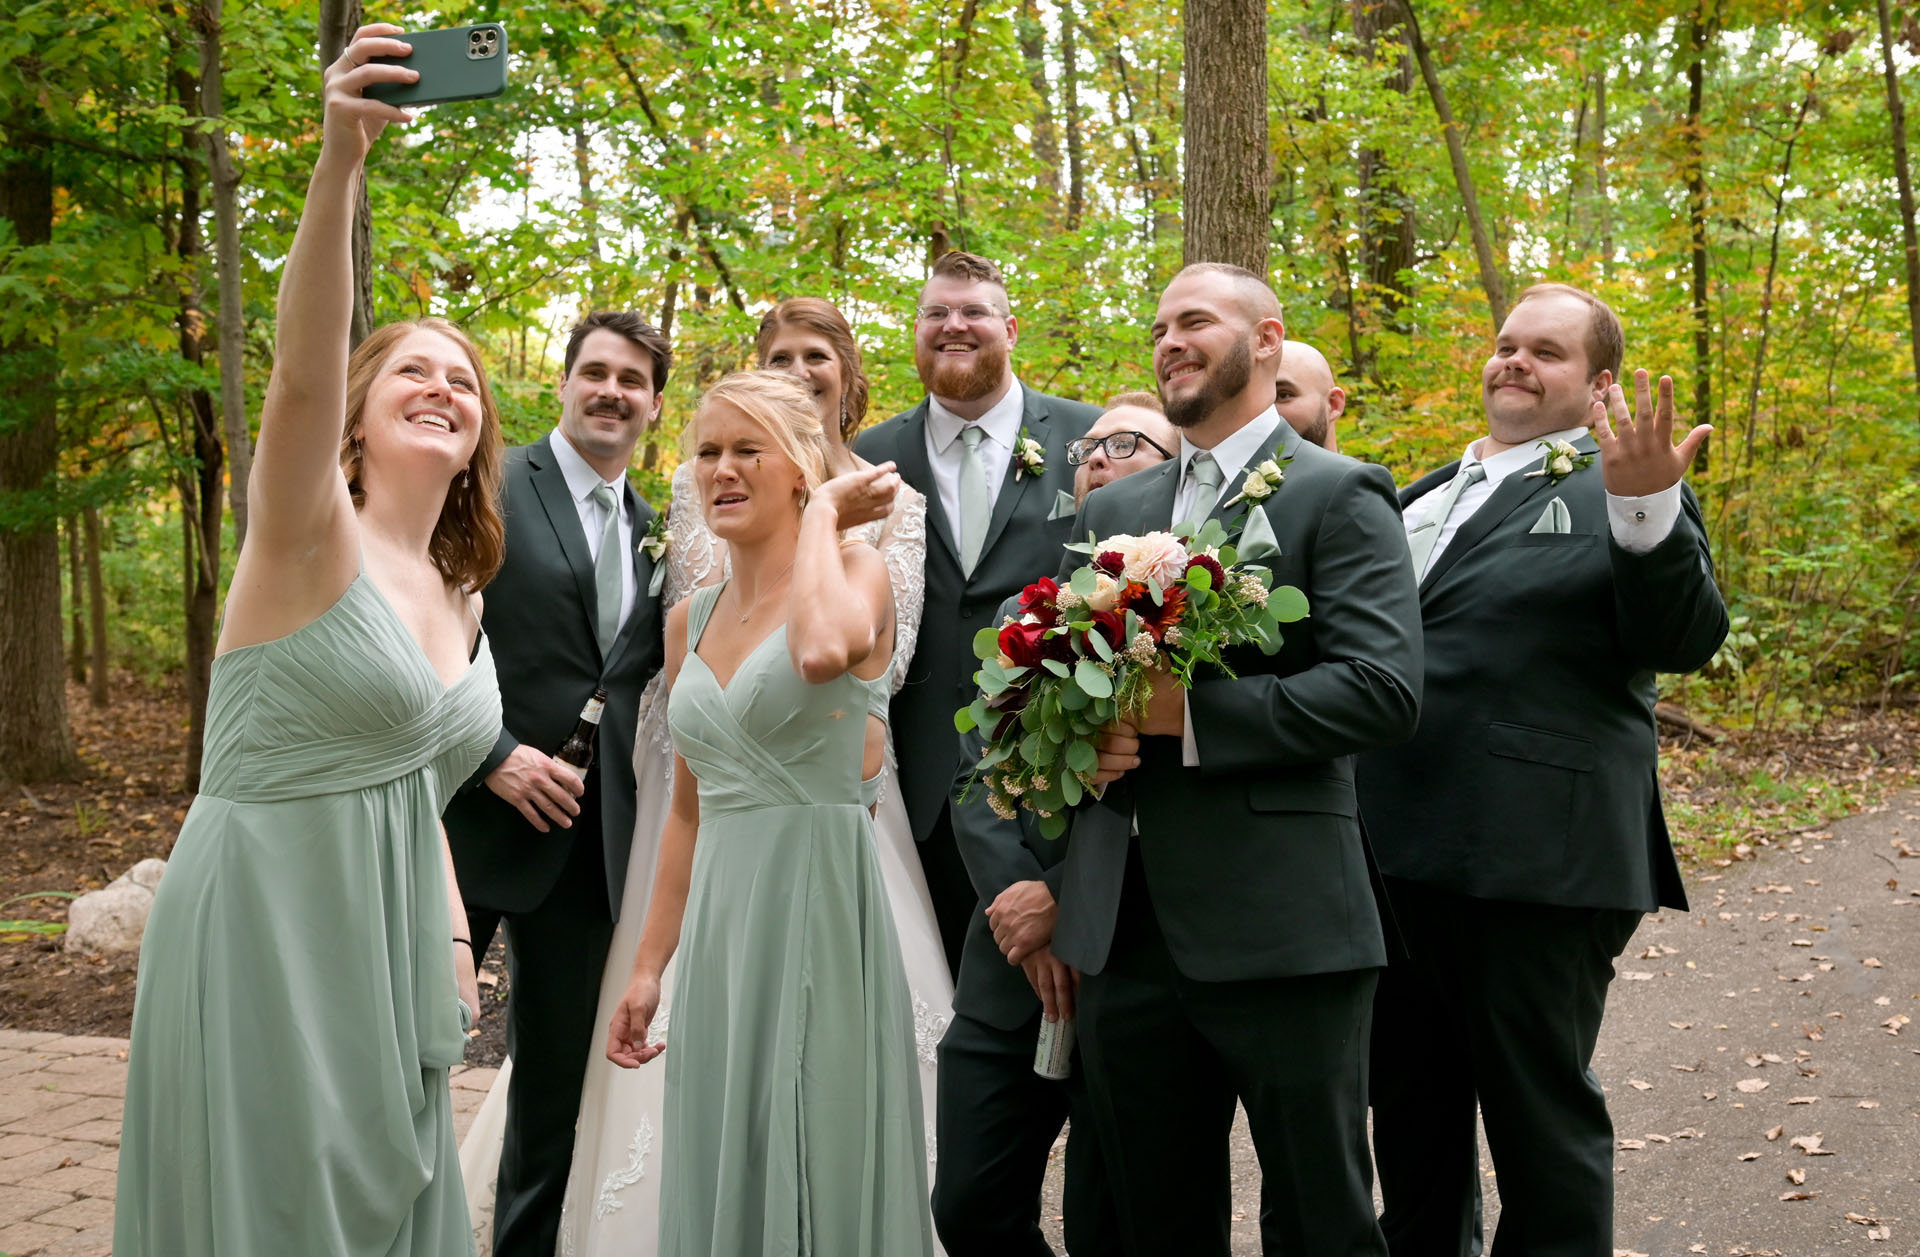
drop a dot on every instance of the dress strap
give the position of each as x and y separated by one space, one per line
699 609
479 629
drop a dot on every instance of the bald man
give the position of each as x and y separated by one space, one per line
1132 435
1306 396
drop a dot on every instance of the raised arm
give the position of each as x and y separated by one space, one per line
842 603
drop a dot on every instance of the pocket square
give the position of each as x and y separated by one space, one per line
1257 541
1554 519
1063 507
659 580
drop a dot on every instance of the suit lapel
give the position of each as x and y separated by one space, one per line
1281 443
1515 491
1427 484
917 470
550 485
1013 489
641 515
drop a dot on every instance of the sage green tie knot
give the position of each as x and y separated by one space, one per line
976 504
608 584
1426 536
1207 478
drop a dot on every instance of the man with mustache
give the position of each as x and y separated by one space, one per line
1306 396
1216 899
534 844
1520 832
991 456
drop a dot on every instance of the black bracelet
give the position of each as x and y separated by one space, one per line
467 941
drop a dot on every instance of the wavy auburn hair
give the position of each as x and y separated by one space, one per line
470 538
823 317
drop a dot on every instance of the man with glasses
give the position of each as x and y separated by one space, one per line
991 456
1131 436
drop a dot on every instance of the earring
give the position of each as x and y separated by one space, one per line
466 478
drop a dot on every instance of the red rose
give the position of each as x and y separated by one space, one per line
1025 644
1158 619
1038 600
1212 567
1111 625
1111 562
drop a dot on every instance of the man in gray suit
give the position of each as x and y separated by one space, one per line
1520 832
990 454
1216 899
533 844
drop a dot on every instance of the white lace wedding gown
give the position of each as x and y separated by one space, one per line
612 1205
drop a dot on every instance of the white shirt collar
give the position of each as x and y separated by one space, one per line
1001 423
1236 451
582 479
1508 461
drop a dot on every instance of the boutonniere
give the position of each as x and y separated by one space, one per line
655 542
1562 461
1029 456
1260 483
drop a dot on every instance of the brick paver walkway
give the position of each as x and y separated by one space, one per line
60 1101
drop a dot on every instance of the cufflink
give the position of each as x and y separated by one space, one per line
1639 517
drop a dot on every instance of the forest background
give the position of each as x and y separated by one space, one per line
1732 176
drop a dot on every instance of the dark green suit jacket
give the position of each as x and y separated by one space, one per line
1534 775
540 618
1022 545
1254 860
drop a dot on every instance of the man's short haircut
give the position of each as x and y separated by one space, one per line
1145 401
648 338
956 264
1606 340
1257 298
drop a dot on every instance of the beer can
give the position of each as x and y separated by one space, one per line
1053 1053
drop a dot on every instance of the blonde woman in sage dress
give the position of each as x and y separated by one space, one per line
302 987
793 1102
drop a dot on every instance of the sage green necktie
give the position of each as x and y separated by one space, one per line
608 585
976 504
1426 535
1207 478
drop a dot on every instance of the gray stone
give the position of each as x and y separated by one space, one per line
111 920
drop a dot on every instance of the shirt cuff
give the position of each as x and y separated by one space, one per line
1189 749
1639 525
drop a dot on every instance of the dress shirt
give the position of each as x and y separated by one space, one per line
1638 524
582 480
1233 455
999 429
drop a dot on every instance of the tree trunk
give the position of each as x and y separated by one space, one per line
76 607
1903 173
100 689
224 179
1697 39
200 491
1601 200
1388 240
36 741
1070 96
1228 158
1032 34
1490 273
338 20
1779 198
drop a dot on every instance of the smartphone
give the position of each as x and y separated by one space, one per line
460 63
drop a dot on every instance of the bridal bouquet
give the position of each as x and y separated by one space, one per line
1081 655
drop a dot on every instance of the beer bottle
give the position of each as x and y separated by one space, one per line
577 751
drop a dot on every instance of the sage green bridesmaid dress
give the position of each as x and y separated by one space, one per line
793 1093
296 1012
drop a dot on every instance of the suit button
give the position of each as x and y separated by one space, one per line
966 610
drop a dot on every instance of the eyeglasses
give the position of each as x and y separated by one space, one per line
1119 445
973 312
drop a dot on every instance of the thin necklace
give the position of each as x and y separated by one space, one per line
763 592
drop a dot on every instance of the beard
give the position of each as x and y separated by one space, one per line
1315 433
1225 380
963 384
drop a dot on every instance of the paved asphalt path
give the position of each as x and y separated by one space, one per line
1786 1003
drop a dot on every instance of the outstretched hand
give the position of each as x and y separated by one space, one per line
1637 453
353 120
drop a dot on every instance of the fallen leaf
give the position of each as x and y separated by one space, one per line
1696 1248
1873 962
1637 1085
1659 1139
1879 1232
1892 1024
1797 1177
1681 1025
1631 1145
1810 1144
1803 1100
1686 1069
1860 1219
1771 1059
1775 1133
1802 942
1882 1000
1636 977
1812 1031
1867 1104
1798 1195
1753 1060
1750 1085
1749 1156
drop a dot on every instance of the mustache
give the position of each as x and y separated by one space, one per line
608 406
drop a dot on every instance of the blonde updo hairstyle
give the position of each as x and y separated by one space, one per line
783 408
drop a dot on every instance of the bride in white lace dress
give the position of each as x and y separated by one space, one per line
613 1189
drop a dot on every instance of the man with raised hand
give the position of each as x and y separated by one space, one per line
990 454
1306 396
1216 898
1521 832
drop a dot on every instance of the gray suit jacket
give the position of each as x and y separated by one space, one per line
1254 860
1533 776
1022 545
540 618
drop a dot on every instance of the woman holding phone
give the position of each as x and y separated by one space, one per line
304 986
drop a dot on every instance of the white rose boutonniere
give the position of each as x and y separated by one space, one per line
1029 456
655 540
1260 483
1562 461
